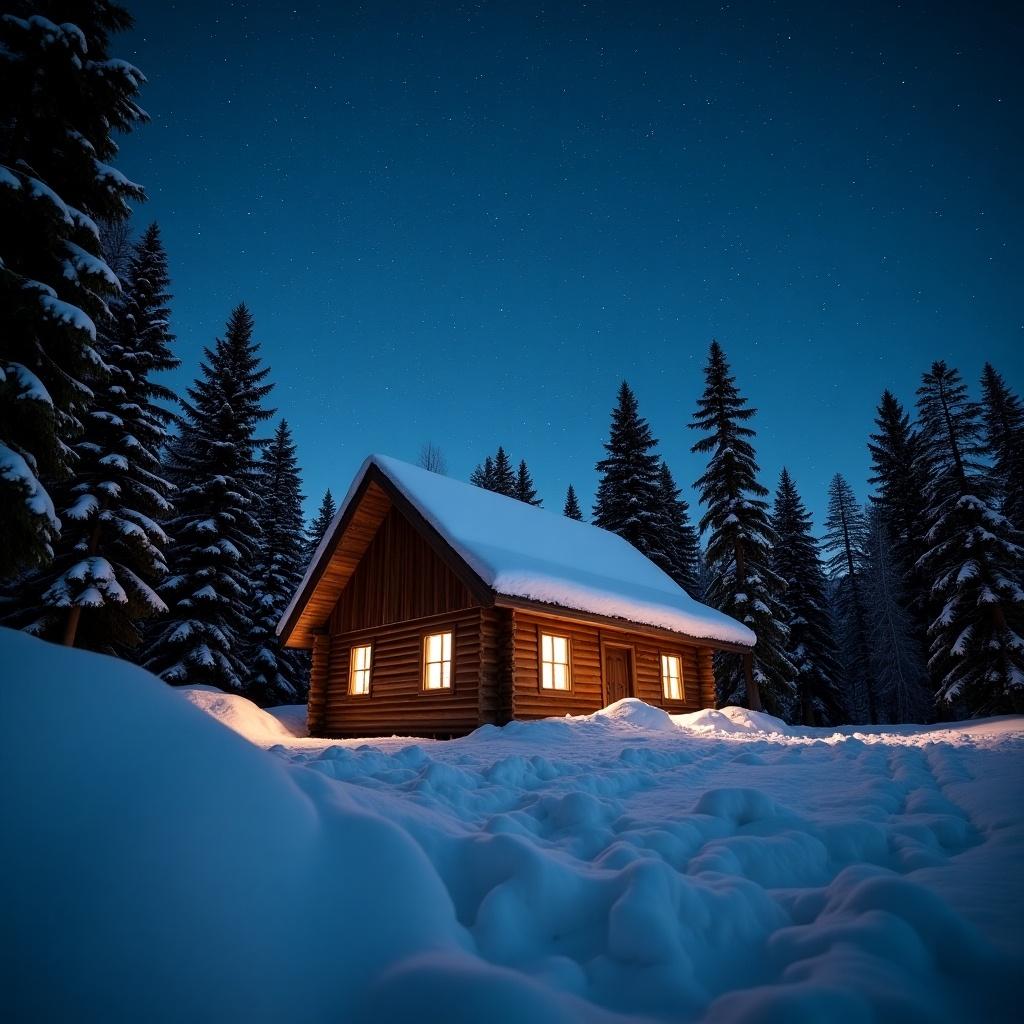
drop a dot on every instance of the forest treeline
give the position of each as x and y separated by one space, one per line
168 528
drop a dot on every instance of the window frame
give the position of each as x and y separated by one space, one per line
541 633
424 663
352 670
662 656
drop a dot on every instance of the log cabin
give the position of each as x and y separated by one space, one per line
433 607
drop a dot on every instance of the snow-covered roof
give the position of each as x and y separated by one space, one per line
527 553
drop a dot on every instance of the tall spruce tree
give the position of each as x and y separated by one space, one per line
215 530
627 494
320 525
110 554
740 539
279 675
504 476
845 543
571 508
677 551
974 558
899 477
796 559
61 100
525 491
1003 417
897 662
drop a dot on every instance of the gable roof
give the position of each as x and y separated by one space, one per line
504 548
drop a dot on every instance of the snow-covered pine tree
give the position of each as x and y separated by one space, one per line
796 559
1003 417
897 659
677 550
844 543
571 508
483 475
743 583
279 675
627 494
974 558
110 553
525 491
320 525
504 476
899 479
61 100
215 529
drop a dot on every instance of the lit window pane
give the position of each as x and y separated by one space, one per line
545 647
561 680
672 676
545 677
434 647
446 646
434 675
446 674
560 650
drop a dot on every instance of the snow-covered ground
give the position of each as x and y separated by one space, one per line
628 865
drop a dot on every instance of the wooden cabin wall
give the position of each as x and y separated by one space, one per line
398 578
397 702
586 660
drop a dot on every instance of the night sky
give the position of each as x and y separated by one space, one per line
467 223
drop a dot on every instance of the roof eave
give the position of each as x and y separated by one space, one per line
627 625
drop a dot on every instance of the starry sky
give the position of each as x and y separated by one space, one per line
465 223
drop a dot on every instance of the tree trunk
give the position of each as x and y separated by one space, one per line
75 612
753 690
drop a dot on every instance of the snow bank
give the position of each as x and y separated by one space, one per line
524 552
619 866
239 714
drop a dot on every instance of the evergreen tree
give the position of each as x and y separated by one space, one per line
215 530
525 491
897 663
571 509
899 477
677 550
973 558
845 543
483 475
627 494
319 527
279 675
61 100
110 554
504 477
796 559
1003 416
742 584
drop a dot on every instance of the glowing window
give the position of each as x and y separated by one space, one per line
359 669
672 676
437 661
554 662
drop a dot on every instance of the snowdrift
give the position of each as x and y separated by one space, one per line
158 866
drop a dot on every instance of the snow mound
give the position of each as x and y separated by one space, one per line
630 711
238 713
732 721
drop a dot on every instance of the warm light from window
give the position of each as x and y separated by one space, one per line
672 676
437 661
554 662
359 670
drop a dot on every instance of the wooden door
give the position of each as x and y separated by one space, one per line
618 673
